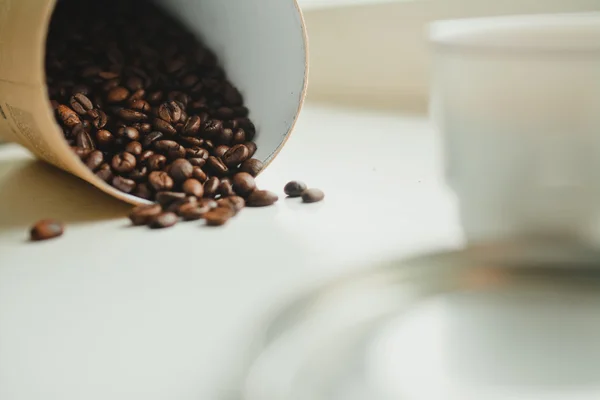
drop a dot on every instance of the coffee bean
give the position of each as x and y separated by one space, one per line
169 112
243 184
100 119
164 220
226 136
123 184
192 126
212 128
94 160
68 117
156 162
160 181
236 155
219 216
170 148
140 105
191 141
239 137
261 198
196 152
123 162
220 151
105 173
237 203
80 152
312 195
108 75
193 187
142 215
163 126
294 188
181 169
211 186
139 174
46 229
128 133
152 137
104 138
134 148
252 166
176 205
131 115
198 174
251 149
166 198
217 166
81 104
225 189
84 141
117 95
193 212
145 156
142 191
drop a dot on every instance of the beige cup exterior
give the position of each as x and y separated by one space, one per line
262 45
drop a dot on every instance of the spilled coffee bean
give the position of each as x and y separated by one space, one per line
46 229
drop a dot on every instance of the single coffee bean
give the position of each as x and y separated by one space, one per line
243 184
117 95
252 166
145 156
261 198
191 141
192 126
84 141
218 216
176 205
200 175
80 103
211 186
312 195
170 112
105 173
167 198
197 162
225 137
156 162
160 181
196 152
170 148
80 152
142 191
239 137
217 166
123 162
212 128
129 115
104 138
140 105
193 187
100 119
123 184
236 155
46 229
237 203
134 148
163 126
220 151
294 188
142 215
68 117
94 160
107 75
139 174
164 220
192 212
181 169
150 138
225 189
129 133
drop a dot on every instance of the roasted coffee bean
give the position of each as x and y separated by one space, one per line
104 138
156 162
134 148
170 148
294 188
152 137
211 186
209 145
170 112
225 189
137 95
46 229
181 170
68 117
252 166
81 104
196 152
129 133
239 137
197 162
261 198
164 220
123 184
142 191
145 156
84 141
236 155
176 205
107 75
167 198
243 184
163 126
237 203
312 195
80 152
192 126
99 117
142 215
117 94
105 173
145 128
160 181
251 148
139 174
217 166
94 160
140 105
191 141
123 162
219 216
200 175
212 128
130 115
192 212
220 151
226 136
193 187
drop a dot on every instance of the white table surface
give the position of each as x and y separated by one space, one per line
115 312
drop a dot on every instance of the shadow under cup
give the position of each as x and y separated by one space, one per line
261 44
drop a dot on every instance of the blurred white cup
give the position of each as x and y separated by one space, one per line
517 100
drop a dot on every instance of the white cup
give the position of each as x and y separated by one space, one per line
517 100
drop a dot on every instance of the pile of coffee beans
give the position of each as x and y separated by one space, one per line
146 106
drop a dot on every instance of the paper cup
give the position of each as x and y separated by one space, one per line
265 56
